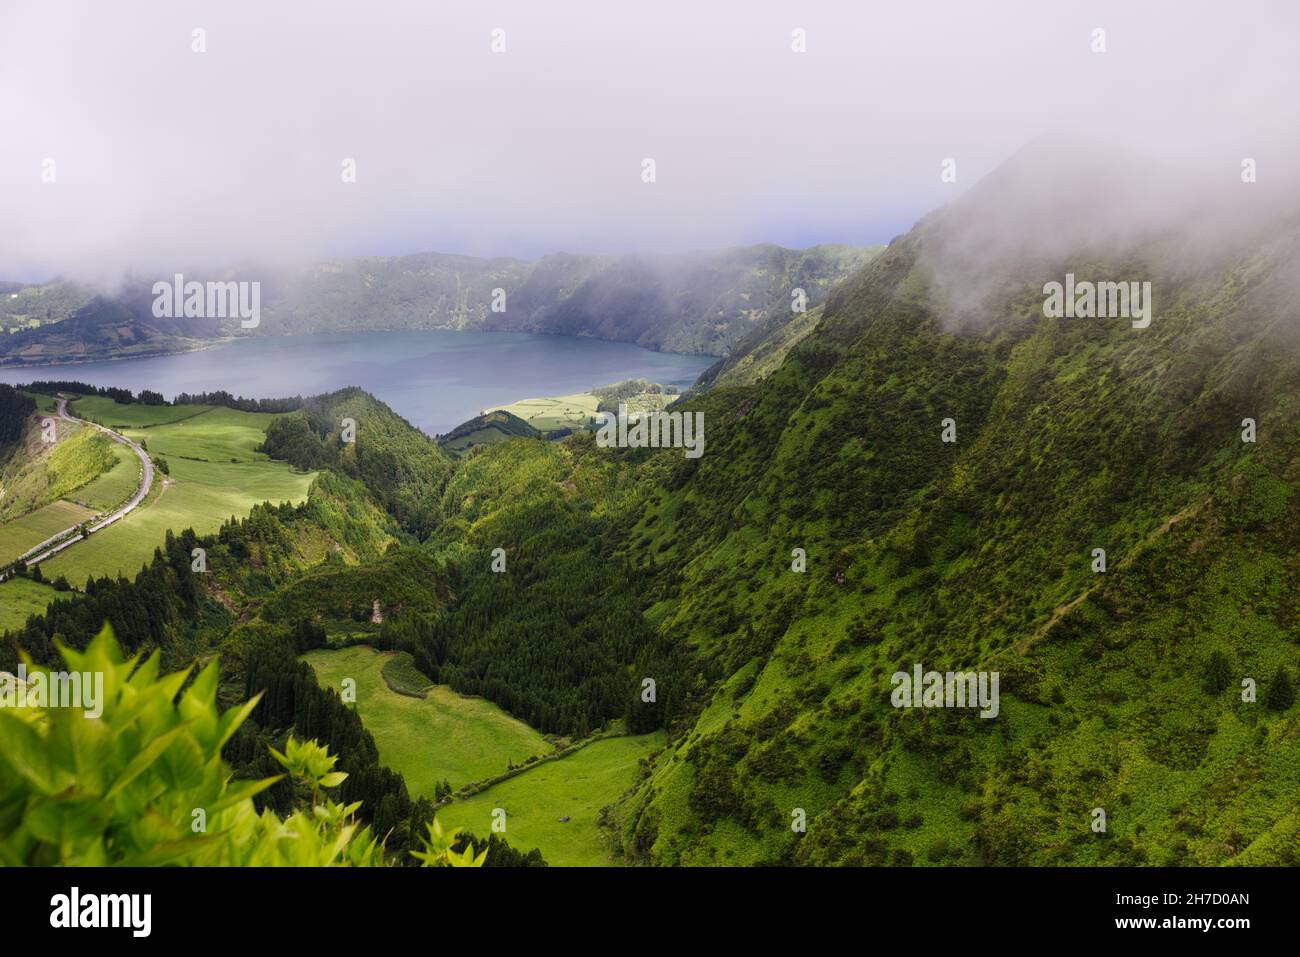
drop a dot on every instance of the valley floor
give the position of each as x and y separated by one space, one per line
555 805
443 736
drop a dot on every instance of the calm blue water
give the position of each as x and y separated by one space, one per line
436 380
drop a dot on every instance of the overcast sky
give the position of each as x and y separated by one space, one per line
164 156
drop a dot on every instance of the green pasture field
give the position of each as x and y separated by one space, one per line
576 787
21 597
444 736
21 534
214 473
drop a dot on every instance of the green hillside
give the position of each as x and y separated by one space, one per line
494 426
762 353
978 555
352 432
214 471
38 473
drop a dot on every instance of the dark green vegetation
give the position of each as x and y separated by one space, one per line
1161 691
1072 435
395 461
486 429
556 638
15 407
697 303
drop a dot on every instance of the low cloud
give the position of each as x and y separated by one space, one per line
166 158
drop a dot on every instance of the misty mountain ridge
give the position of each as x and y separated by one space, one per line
1070 435
696 303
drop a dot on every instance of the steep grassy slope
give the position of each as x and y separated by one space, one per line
1071 435
760 356
114 486
38 472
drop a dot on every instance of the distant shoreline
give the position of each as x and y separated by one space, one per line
87 360
438 379
7 364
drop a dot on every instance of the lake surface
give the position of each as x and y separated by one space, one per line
436 380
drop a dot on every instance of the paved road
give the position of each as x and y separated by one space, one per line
45 550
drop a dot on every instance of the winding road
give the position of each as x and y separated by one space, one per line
70 536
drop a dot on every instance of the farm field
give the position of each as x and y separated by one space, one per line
576 787
557 412
21 597
214 474
22 534
122 417
576 411
443 736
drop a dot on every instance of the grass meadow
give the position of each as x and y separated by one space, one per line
575 787
444 736
214 474
21 597
24 533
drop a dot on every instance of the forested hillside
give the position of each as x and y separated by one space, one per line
1121 690
352 432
